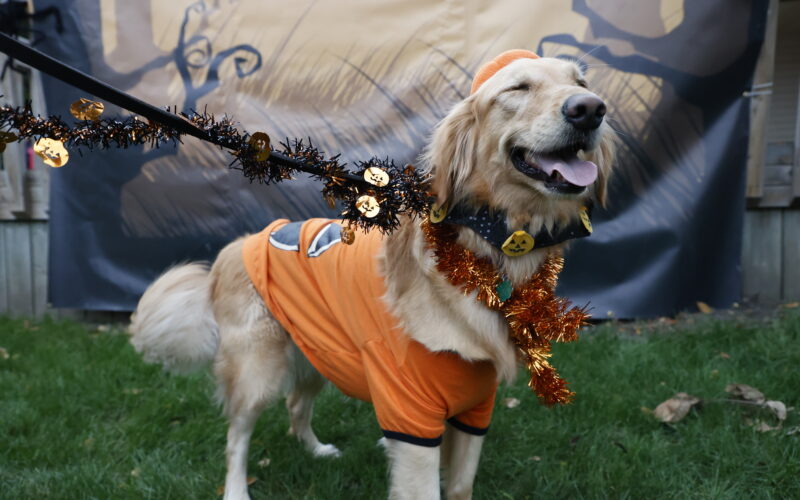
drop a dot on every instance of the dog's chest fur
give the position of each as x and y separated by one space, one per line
439 315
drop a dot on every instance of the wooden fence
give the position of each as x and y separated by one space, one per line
23 268
771 250
771 256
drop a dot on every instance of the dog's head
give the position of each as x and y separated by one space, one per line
530 139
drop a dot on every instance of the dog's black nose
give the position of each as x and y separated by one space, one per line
584 111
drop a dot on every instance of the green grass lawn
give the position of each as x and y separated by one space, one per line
81 416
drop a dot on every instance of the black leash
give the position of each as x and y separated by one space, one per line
91 85
80 80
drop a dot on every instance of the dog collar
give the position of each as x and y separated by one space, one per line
491 226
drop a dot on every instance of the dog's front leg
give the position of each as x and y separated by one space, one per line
461 452
414 471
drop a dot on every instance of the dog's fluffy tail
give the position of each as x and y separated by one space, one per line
174 323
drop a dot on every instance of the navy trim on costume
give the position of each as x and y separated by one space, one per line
475 431
399 436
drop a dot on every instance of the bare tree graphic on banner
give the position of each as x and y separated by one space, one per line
652 148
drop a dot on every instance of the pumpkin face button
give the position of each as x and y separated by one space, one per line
86 109
438 213
585 220
51 151
260 143
368 206
347 235
376 176
519 243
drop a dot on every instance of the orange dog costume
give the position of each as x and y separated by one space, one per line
327 295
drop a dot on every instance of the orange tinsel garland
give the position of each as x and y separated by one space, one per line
535 315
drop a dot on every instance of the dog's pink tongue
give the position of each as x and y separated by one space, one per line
574 170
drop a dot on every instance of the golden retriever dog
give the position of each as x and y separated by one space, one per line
530 142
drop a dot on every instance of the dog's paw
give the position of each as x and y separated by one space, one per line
383 443
327 450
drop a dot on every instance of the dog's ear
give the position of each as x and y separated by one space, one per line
450 157
603 157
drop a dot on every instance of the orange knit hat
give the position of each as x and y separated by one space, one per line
498 63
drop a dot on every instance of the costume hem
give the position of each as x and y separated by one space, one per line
408 438
476 431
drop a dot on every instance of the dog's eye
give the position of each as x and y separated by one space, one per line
522 86
582 83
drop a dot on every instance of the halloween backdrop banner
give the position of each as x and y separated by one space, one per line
365 78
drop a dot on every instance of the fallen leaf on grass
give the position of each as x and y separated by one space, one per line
791 305
745 392
675 408
764 427
3 353
704 308
136 472
760 426
778 408
135 392
535 459
511 402
646 410
754 397
264 462
724 355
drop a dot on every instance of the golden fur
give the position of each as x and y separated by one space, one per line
468 159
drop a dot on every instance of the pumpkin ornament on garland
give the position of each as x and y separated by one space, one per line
51 151
374 194
401 191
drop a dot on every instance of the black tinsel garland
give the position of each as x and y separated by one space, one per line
404 194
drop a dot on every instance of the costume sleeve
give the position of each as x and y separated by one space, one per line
475 420
403 413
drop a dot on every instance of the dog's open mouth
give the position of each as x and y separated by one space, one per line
561 170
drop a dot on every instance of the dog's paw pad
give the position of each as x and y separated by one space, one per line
327 450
